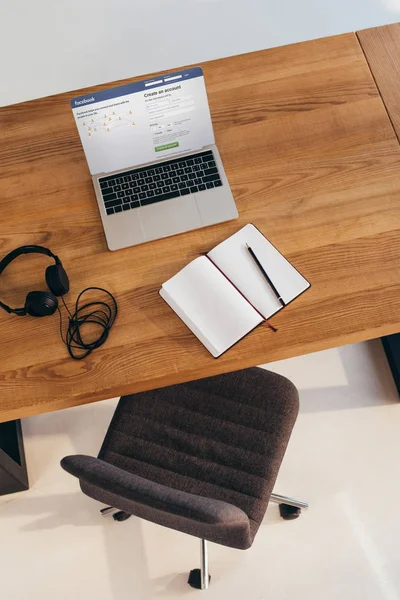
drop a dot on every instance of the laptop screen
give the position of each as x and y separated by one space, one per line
144 121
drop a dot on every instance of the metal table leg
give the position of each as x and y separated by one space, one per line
13 473
391 346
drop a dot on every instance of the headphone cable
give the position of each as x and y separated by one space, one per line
99 313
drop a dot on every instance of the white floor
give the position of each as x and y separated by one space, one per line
343 457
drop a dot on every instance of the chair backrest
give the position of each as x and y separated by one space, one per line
222 437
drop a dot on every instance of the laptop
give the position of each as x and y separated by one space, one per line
151 152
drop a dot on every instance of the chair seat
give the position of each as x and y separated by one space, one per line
219 440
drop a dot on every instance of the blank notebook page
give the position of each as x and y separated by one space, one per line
209 305
233 258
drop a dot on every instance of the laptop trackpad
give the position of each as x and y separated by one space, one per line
169 217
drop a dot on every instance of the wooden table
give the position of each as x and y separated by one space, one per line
381 46
313 161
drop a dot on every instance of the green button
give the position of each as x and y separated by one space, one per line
166 146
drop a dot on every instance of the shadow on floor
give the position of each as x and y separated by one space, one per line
365 370
123 541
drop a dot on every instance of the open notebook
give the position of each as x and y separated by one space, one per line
204 295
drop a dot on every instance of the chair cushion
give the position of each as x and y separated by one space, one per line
221 438
189 513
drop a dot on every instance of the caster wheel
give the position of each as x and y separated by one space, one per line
121 516
195 579
288 513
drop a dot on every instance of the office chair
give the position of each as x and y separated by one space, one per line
199 457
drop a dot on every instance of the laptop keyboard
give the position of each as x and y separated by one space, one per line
163 181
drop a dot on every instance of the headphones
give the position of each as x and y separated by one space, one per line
39 304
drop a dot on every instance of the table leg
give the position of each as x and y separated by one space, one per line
391 346
13 473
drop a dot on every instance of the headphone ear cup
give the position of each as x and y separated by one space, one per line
57 280
40 304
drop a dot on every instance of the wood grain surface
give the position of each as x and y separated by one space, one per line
381 46
312 160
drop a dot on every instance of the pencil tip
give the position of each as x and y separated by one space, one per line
247 246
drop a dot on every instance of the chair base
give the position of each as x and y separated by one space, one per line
278 499
117 515
195 579
289 509
288 512
200 578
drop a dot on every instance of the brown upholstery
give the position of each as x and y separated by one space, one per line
200 457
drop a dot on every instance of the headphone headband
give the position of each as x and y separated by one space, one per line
4 262
30 249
